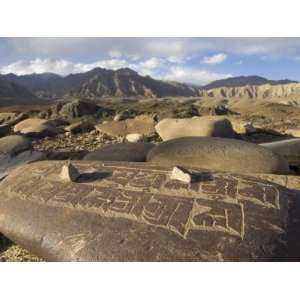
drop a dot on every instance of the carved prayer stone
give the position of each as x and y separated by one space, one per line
135 212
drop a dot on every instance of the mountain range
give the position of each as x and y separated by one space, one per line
244 80
12 94
101 82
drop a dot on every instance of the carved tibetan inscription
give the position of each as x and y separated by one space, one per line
212 203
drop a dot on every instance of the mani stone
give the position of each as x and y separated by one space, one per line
212 153
123 128
135 212
197 126
121 152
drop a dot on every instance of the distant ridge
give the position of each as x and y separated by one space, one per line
244 80
126 82
100 83
15 94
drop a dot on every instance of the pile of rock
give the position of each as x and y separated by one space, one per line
202 194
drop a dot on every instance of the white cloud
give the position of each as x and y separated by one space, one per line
152 63
62 67
65 67
175 59
154 67
214 59
195 76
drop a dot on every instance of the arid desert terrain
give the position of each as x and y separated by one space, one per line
229 154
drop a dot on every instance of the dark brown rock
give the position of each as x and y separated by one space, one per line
221 154
135 212
4 130
78 108
121 152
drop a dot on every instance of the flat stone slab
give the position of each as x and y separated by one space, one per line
123 128
135 212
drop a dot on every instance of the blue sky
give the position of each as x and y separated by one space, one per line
192 60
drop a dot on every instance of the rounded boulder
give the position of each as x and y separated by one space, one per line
135 152
14 144
198 126
218 154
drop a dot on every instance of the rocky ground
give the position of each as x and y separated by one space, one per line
271 124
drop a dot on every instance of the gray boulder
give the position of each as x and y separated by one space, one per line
218 154
14 144
9 163
15 151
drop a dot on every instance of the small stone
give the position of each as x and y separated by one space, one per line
134 137
117 117
69 173
181 175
